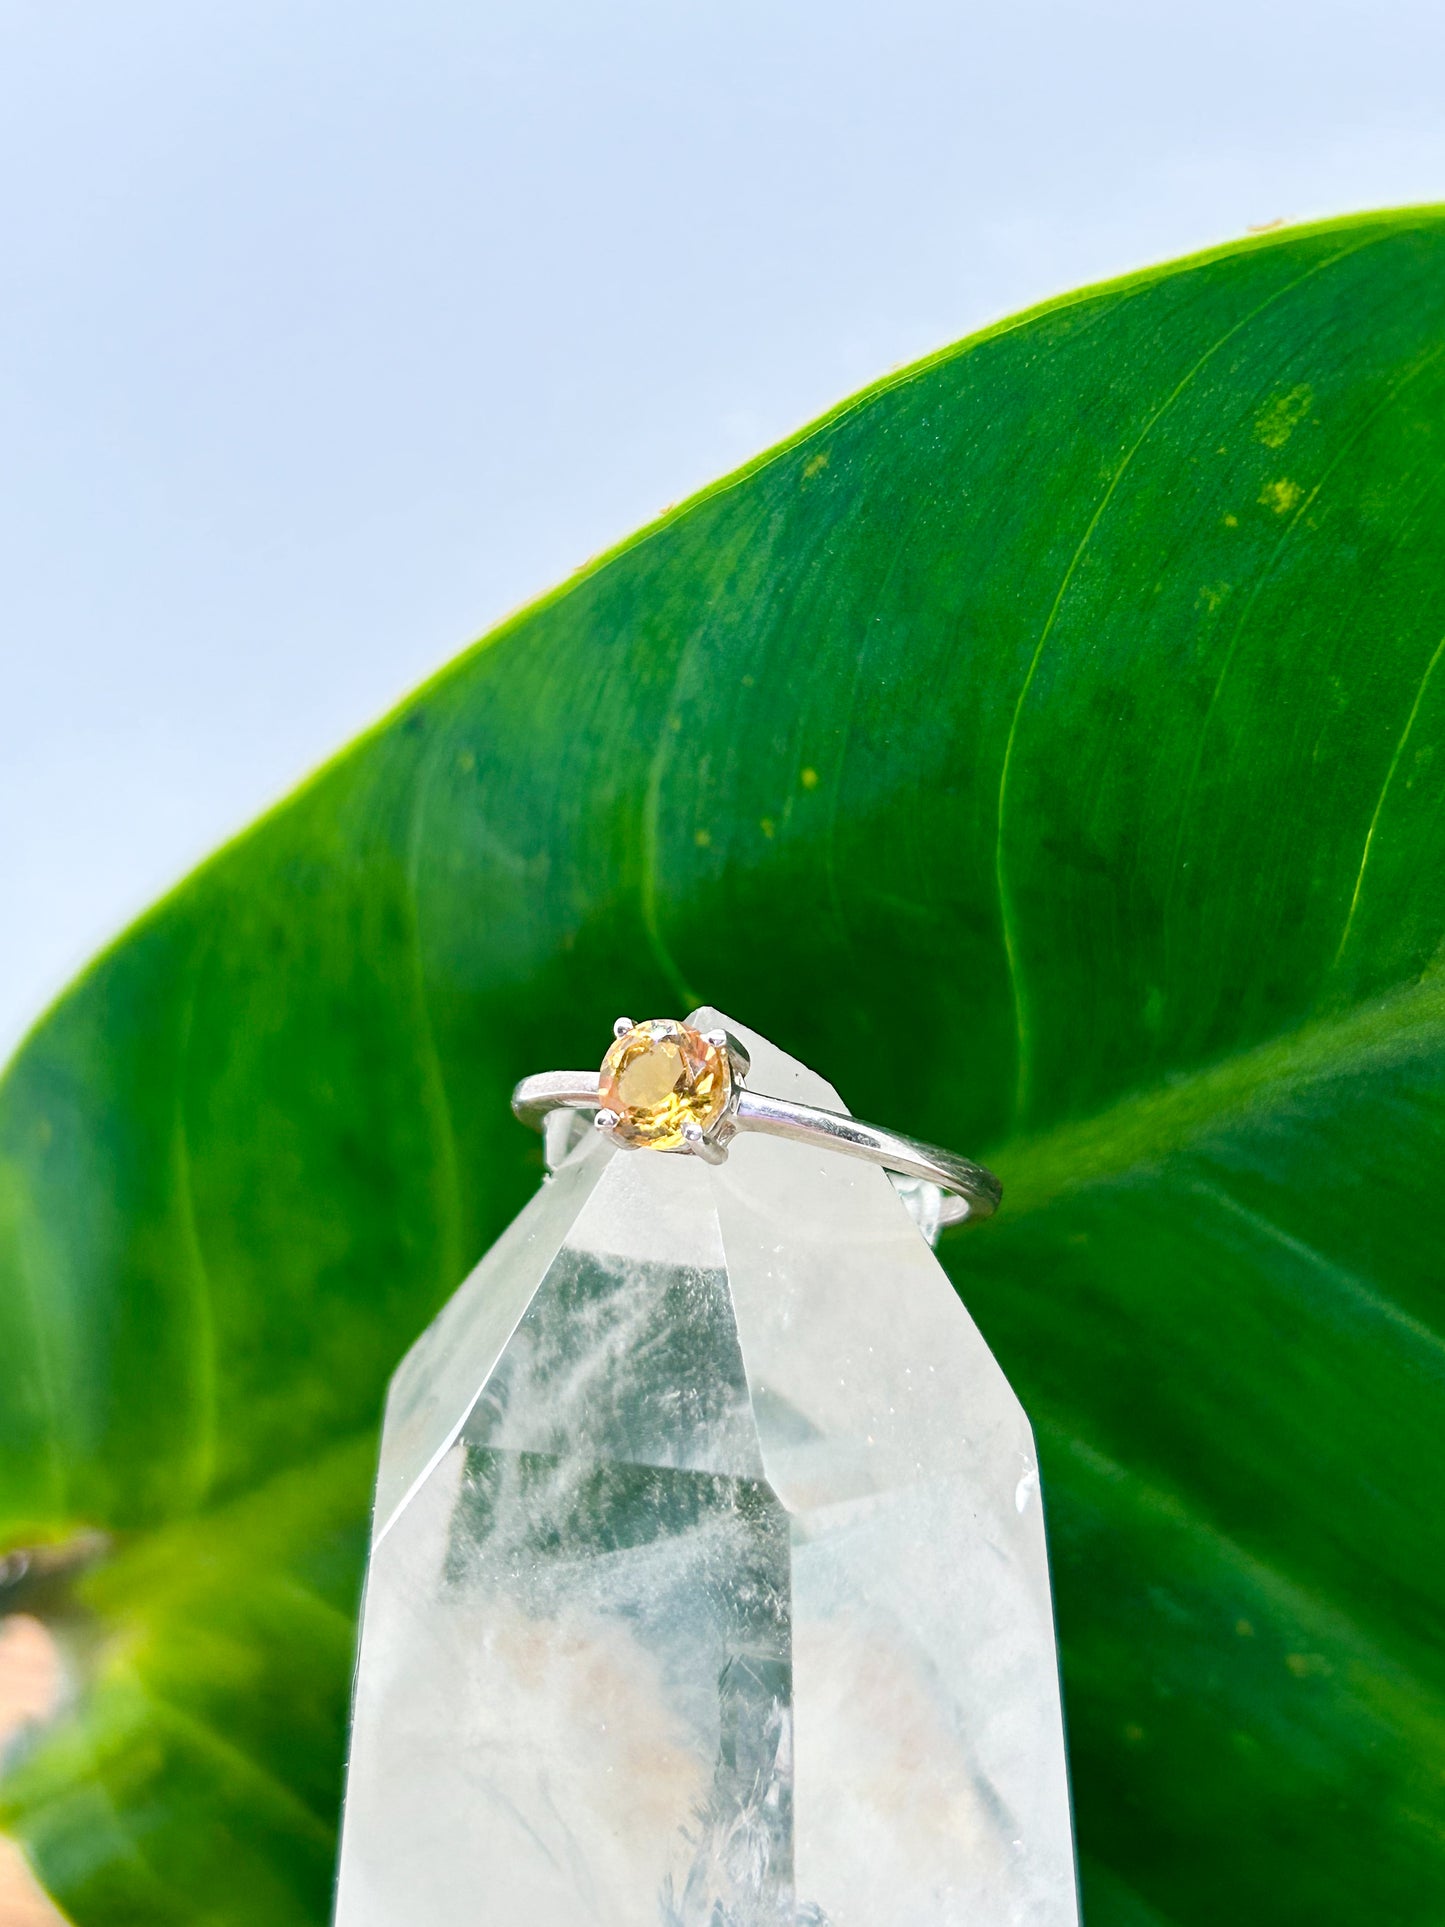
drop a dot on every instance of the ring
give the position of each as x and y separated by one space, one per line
668 1086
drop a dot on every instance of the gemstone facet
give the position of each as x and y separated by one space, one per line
659 1077
708 1584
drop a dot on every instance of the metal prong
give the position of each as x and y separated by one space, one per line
622 1026
701 1145
606 1121
717 1038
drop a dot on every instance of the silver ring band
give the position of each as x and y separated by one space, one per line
971 1191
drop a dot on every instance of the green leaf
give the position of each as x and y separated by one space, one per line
1048 746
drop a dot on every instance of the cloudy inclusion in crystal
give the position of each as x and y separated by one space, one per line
708 1586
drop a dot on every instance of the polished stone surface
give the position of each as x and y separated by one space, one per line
708 1586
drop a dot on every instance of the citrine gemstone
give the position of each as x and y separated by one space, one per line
658 1078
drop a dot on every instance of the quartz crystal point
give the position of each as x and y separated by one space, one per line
708 1584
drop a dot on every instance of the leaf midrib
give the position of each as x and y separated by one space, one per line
1145 1127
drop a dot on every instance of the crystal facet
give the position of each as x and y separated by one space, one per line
708 1584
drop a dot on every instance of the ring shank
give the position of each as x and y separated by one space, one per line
548 1091
974 1187
972 1191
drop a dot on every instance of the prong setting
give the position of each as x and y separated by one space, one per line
622 1026
702 1145
739 1062
660 1076
668 1087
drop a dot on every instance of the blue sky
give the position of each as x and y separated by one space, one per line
329 333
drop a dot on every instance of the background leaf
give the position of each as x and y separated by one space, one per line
1047 745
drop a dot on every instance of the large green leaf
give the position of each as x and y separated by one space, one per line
1048 746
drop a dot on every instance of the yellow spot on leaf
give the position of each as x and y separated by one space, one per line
1133 1734
1211 595
1281 496
767 825
1307 1665
1231 521
1244 1629
809 779
702 838
467 761
816 466
1280 417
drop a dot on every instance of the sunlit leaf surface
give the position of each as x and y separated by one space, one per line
1050 747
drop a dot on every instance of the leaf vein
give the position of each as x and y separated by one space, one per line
1007 912
1367 1295
202 1733
450 1243
1296 521
203 1468
1424 684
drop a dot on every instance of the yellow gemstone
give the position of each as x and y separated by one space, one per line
660 1076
